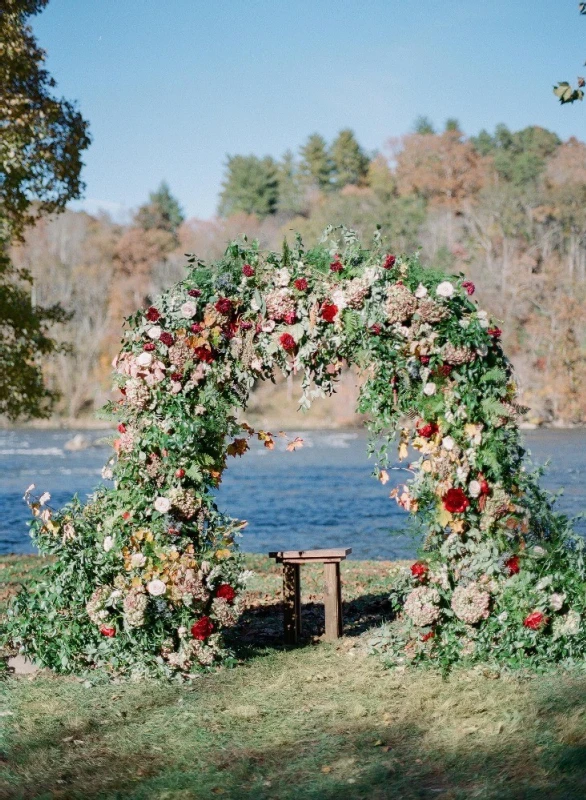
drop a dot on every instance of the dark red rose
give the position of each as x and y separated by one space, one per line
290 318
203 354
122 428
245 324
107 630
425 359
469 286
389 262
149 347
427 430
535 620
194 293
455 501
287 342
247 271
223 306
180 473
166 338
329 311
152 314
443 370
419 570
513 565
336 265
176 376
427 636
484 487
230 330
226 592
300 284
203 628
376 329
496 333
197 327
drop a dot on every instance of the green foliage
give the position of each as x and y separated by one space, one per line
350 162
423 126
250 185
519 157
316 165
562 90
290 200
162 212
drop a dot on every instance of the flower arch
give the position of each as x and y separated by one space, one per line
147 574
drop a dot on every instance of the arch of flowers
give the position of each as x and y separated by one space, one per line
147 573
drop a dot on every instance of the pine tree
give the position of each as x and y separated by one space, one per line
316 166
349 160
162 212
423 126
250 185
290 192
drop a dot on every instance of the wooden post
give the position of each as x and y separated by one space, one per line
292 603
333 601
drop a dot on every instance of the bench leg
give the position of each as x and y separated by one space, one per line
333 601
292 603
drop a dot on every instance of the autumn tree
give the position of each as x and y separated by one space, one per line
250 186
316 165
40 165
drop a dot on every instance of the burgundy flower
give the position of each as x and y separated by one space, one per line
149 347
287 342
427 430
247 271
425 359
202 629
496 333
107 630
513 565
443 370
300 284
389 262
535 620
469 286
328 312
122 428
176 376
226 592
455 501
194 293
203 354
166 338
290 318
223 306
245 324
152 314
197 327
376 329
336 265
419 570
230 330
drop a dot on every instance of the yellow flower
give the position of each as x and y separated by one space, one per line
222 554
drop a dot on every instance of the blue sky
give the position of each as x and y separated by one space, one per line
171 87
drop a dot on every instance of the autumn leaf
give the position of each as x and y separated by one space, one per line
444 517
383 476
296 444
238 447
403 450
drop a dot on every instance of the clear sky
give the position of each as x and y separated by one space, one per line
172 86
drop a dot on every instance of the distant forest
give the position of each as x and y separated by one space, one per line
507 209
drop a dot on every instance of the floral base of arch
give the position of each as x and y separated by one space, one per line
147 574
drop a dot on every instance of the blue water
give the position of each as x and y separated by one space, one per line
320 496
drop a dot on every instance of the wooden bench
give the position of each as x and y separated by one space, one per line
292 561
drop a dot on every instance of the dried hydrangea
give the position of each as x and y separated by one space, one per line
451 354
356 292
96 606
280 304
137 393
179 354
226 613
401 304
134 607
568 625
496 506
470 604
185 501
421 606
430 311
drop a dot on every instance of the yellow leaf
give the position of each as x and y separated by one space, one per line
403 450
222 554
444 517
383 476
326 770
458 525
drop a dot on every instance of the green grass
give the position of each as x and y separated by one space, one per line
319 721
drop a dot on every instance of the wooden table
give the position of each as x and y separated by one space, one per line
292 561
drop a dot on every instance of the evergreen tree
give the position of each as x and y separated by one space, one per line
349 160
162 212
452 125
520 157
316 166
290 193
423 126
250 185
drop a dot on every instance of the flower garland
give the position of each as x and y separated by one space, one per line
147 573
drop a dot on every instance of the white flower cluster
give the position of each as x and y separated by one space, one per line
470 603
421 606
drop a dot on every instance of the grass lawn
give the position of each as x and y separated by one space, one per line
318 721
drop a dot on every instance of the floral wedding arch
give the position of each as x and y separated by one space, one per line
146 574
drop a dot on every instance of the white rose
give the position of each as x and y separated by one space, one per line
108 543
339 300
445 289
188 310
175 387
370 275
448 443
154 332
107 473
421 291
503 616
538 551
464 322
482 319
162 504
474 488
144 359
44 498
137 560
429 389
156 587
269 326
557 600
282 277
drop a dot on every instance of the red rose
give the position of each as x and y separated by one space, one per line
107 630
389 262
484 487
425 359
419 570
300 284
469 286
455 501
329 311
180 473
376 329
427 636
203 354
535 620
290 318
126 515
149 347
443 370
247 271
194 293
427 430
223 306
203 628
176 376
287 342
245 324
226 592
230 330
496 333
166 338
122 428
152 314
513 565
336 265
197 327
